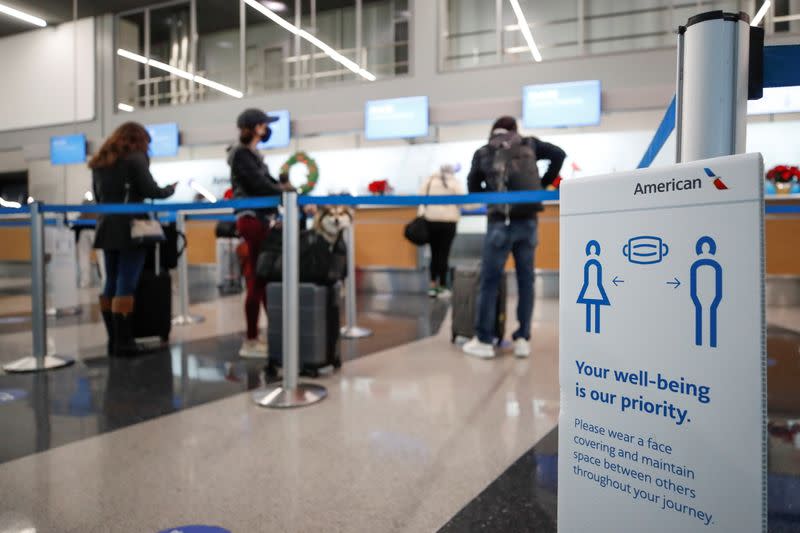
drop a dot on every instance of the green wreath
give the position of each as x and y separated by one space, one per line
311 165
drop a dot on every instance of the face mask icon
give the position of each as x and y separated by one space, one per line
645 250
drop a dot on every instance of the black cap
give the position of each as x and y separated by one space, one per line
250 118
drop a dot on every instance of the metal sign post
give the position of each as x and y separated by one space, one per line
40 360
290 393
351 330
184 318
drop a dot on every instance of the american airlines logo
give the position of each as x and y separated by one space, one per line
679 184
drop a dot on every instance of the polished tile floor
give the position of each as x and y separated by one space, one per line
414 437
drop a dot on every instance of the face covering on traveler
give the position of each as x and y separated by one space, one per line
266 135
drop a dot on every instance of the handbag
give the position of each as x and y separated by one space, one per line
416 231
144 230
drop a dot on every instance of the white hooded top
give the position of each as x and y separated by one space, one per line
441 184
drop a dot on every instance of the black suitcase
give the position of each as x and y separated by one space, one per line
466 284
319 328
152 305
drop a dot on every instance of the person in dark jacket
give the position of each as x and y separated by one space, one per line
250 177
121 174
511 229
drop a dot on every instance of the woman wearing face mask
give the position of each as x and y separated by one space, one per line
250 177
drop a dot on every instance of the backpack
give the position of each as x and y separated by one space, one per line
513 169
515 164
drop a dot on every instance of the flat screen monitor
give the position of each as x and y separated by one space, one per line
398 118
164 139
281 131
560 105
68 149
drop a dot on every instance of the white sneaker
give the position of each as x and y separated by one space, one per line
522 348
253 349
444 294
476 348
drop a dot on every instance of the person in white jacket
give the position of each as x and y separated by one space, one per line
442 221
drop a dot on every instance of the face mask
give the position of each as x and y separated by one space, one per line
645 250
266 136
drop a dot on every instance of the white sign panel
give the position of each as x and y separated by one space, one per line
662 361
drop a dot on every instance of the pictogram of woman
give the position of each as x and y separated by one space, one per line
706 263
593 295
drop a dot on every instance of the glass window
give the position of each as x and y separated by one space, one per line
385 33
336 27
270 49
170 43
471 36
218 47
130 74
554 26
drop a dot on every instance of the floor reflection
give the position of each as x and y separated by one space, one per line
96 395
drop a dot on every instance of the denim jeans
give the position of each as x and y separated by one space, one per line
518 237
123 268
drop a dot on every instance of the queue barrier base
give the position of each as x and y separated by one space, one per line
33 364
355 332
279 397
187 320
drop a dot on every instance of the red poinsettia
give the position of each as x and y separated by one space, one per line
379 187
784 174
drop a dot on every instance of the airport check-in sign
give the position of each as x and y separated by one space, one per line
662 350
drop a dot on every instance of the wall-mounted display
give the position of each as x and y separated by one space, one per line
560 105
68 149
164 139
281 131
398 118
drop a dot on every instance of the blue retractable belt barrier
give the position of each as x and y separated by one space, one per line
130 209
780 65
15 210
517 197
782 209
660 138
779 71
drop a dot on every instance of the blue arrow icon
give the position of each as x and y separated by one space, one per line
616 281
677 283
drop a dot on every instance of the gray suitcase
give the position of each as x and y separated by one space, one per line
466 283
319 327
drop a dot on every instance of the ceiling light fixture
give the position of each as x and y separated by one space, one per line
6 203
280 7
125 107
127 54
762 12
525 29
16 13
330 52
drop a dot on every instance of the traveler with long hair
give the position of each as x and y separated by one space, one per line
250 177
121 174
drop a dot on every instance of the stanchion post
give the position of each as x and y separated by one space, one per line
40 360
290 393
351 330
184 318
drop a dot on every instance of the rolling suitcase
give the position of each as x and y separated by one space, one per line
229 275
466 283
319 327
152 307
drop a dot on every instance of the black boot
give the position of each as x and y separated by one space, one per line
108 320
124 341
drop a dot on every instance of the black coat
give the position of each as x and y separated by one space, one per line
250 178
483 176
114 231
